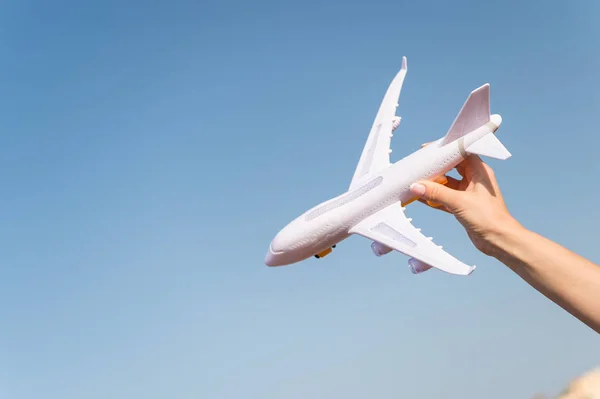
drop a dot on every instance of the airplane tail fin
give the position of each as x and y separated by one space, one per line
474 113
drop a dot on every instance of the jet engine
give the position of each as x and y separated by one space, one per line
414 265
417 267
380 249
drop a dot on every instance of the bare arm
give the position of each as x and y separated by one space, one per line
564 277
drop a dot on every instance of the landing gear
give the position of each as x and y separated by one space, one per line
324 253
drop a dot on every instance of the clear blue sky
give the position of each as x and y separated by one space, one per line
151 150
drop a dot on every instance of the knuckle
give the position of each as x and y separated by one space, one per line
488 169
434 192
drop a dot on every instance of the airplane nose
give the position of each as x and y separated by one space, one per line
284 247
272 258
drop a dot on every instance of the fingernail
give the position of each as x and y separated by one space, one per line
417 189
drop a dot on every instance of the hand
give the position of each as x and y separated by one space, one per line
475 201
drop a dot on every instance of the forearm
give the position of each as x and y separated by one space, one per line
566 278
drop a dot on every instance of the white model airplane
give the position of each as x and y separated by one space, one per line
373 206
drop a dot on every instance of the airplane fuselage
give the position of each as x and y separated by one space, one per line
327 224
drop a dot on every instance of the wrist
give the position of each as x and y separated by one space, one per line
504 237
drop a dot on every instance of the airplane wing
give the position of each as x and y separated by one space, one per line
376 152
392 228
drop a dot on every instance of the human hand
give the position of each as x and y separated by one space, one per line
475 201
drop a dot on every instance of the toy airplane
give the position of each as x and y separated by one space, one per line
374 204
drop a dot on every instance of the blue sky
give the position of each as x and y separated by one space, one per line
150 152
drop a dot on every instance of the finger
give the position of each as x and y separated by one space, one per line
437 193
453 183
461 169
471 167
474 165
486 180
481 174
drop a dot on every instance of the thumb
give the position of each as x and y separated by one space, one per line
435 192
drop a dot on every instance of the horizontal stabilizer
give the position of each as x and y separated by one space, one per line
489 146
